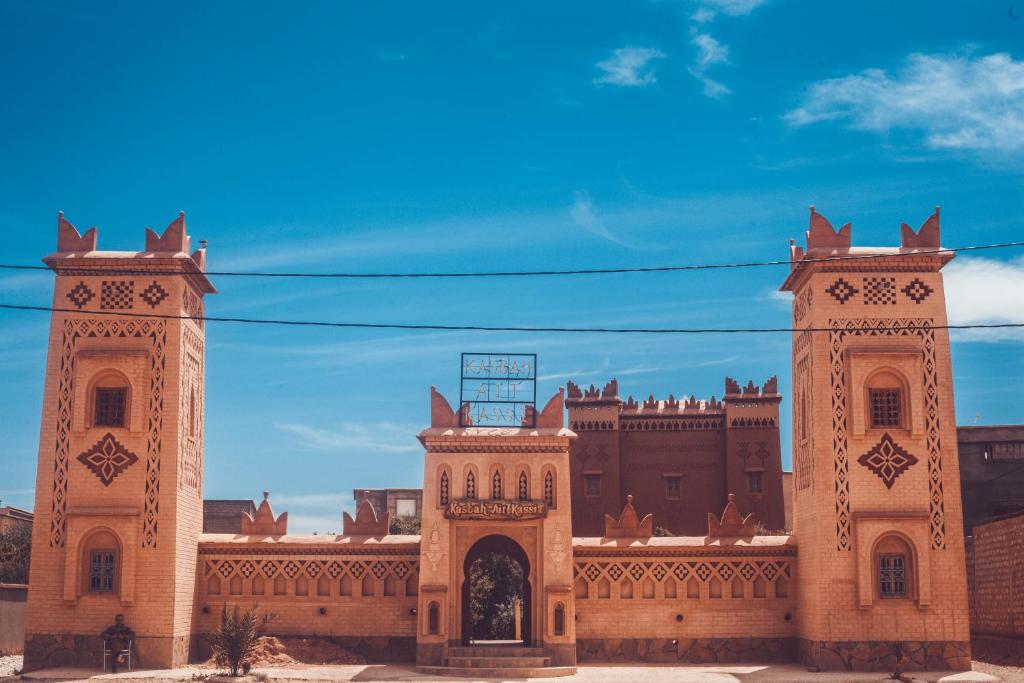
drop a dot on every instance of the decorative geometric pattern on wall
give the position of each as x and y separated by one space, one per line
879 290
80 295
156 332
802 432
190 471
616 578
193 305
887 460
107 459
153 294
917 290
842 291
323 577
885 327
116 294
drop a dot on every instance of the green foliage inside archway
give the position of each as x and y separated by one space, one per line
495 583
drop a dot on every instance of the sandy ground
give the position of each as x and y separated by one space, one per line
776 673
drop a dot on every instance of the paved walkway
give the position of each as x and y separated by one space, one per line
781 673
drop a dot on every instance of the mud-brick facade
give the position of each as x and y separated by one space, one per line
872 573
680 458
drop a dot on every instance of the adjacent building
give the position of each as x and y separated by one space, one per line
679 458
991 471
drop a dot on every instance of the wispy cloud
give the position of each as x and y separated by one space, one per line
710 52
629 66
954 102
708 10
985 291
585 216
380 437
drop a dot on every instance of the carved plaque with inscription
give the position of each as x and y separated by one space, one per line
509 510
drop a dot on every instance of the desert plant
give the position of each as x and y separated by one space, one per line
233 643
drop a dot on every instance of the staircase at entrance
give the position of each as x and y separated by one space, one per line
498 660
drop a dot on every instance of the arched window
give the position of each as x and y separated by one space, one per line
471 485
108 398
101 563
893 560
496 485
443 488
559 619
524 486
549 488
433 619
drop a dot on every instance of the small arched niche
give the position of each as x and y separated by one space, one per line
894 568
886 400
100 563
108 400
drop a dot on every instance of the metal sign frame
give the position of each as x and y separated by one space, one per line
500 378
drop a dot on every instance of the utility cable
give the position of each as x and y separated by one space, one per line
507 328
74 263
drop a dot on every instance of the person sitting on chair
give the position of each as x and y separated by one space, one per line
117 638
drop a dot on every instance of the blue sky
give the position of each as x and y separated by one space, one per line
410 136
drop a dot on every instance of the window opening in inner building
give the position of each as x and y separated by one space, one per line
755 482
885 407
110 406
101 571
892 576
673 487
592 485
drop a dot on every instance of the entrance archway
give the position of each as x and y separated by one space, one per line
505 569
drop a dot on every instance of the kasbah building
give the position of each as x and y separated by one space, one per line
872 571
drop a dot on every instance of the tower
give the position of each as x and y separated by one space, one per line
877 513
118 506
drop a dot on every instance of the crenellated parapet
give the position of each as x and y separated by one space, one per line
169 252
754 405
825 242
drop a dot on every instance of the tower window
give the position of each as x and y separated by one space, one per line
892 576
496 486
549 489
673 487
592 485
755 482
442 493
109 406
524 487
885 407
102 564
470 485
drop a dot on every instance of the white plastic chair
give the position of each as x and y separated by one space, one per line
127 652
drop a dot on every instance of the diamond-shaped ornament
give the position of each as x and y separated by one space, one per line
887 460
107 459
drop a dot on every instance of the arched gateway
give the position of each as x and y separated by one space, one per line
495 575
496 491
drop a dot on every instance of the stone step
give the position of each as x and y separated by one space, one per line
497 662
495 651
502 673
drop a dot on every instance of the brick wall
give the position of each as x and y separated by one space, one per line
687 592
311 590
995 575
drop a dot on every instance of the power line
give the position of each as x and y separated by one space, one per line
506 328
535 273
